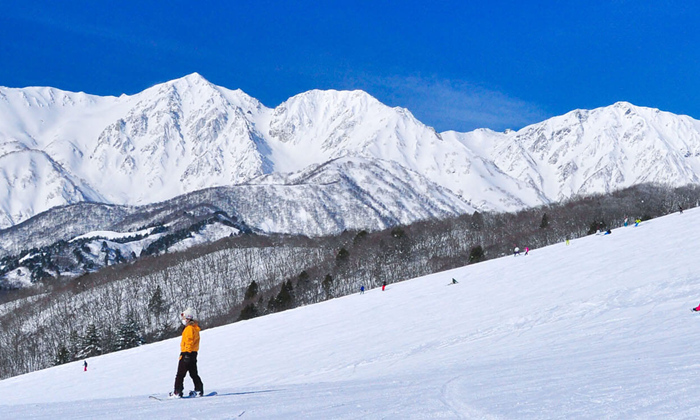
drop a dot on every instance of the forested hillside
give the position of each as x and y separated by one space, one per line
241 277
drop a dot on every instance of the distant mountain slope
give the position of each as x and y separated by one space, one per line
31 179
349 193
60 147
596 151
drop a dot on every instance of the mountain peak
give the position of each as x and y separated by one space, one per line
332 96
188 82
623 104
193 79
196 85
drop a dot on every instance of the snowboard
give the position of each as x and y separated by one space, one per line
190 395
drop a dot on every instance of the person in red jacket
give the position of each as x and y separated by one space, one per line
189 346
696 309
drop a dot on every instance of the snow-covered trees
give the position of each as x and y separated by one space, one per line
156 305
129 334
244 277
91 344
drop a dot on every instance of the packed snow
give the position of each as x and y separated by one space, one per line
600 328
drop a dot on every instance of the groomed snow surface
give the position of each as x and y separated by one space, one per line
601 328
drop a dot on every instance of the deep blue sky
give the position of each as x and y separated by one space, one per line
455 64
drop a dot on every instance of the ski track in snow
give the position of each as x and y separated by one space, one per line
597 329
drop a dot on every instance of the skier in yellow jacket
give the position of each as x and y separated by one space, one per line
189 346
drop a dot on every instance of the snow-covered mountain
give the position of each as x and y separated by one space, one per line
549 335
60 148
350 193
596 151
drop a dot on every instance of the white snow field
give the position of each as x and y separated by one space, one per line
598 329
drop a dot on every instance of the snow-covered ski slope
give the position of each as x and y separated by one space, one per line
601 328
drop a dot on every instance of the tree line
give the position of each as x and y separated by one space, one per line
239 278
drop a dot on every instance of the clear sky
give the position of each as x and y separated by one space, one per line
457 65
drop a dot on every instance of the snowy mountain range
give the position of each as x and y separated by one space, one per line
344 193
59 148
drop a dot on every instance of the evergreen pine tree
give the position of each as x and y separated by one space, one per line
285 297
118 257
361 235
156 304
249 312
477 222
261 306
91 344
74 344
62 356
252 290
476 254
129 334
398 233
327 284
342 256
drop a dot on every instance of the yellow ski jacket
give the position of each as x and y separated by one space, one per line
190 338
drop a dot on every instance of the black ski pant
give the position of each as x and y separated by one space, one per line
188 363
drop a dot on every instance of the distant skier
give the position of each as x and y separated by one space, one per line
362 290
454 281
84 365
567 241
680 209
383 286
189 346
626 221
607 232
516 251
527 249
697 308
637 222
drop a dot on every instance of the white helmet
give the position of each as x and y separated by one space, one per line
187 314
